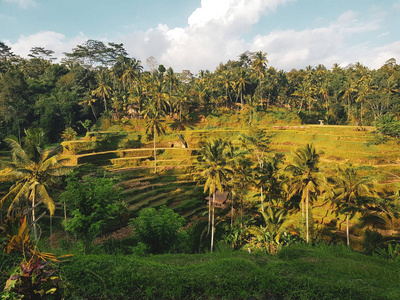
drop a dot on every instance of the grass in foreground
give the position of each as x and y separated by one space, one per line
298 272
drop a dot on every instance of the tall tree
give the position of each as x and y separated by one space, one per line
33 170
305 178
154 127
103 90
349 191
14 100
257 142
347 92
259 63
365 87
212 165
241 83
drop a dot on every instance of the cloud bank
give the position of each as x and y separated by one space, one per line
216 31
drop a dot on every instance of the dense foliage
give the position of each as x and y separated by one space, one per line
268 198
97 79
93 203
160 230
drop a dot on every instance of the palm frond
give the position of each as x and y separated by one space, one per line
44 196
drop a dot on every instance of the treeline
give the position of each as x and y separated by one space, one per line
96 80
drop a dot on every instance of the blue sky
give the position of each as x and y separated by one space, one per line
199 34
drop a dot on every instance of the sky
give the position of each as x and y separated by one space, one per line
200 34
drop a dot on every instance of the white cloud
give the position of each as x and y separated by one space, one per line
23 3
215 33
326 45
48 39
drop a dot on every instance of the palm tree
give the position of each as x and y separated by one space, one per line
276 223
364 89
259 62
305 92
305 178
349 191
390 87
257 143
33 170
172 80
137 96
154 127
227 83
267 177
241 84
347 93
103 91
158 96
212 167
241 175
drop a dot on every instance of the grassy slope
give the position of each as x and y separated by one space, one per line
298 272
339 144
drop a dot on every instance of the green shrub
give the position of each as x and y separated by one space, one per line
161 230
372 240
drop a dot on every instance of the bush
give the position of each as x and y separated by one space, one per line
387 127
372 240
161 230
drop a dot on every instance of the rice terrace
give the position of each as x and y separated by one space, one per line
125 179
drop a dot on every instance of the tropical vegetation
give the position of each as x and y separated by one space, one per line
234 183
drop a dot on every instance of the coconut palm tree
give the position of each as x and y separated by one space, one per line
158 95
266 176
305 178
364 89
240 171
305 92
349 190
154 127
241 83
347 92
227 83
259 62
103 91
32 170
213 169
276 223
257 142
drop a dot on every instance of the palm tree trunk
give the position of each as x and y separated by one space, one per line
212 223
65 211
180 112
348 108
307 227
241 212
105 104
232 212
19 133
301 105
93 112
33 214
347 230
262 103
262 200
155 154
241 99
209 213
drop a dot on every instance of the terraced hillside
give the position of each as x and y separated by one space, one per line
174 186
130 155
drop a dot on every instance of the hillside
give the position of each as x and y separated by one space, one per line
129 153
